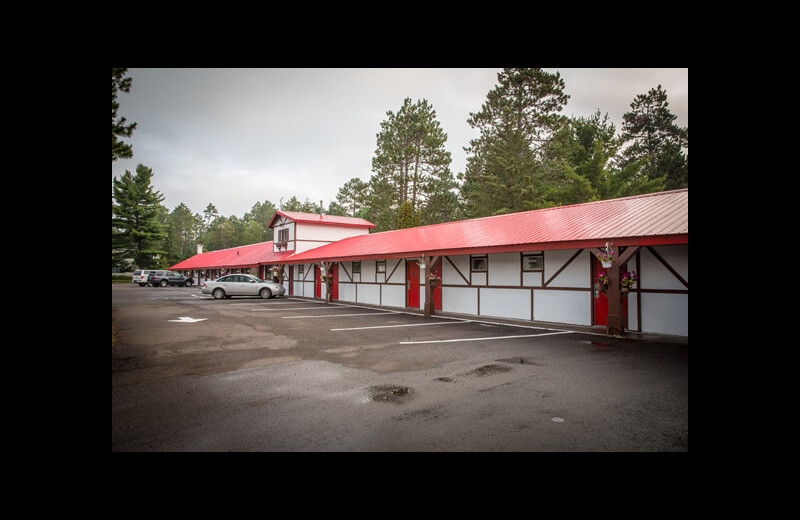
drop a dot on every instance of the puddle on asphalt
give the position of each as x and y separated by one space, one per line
483 371
487 370
387 394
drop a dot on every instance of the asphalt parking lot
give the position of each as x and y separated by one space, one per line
189 373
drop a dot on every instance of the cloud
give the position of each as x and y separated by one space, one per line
234 137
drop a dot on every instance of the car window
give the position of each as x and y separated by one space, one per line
225 279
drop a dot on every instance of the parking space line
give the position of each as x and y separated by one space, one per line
285 309
485 339
271 302
406 325
337 315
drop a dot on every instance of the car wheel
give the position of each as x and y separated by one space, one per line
265 293
188 283
218 294
142 285
163 283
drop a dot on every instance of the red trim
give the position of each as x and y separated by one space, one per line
577 244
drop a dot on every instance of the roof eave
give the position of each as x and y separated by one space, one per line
682 238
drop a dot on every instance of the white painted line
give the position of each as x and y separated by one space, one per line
408 325
484 339
337 315
285 309
269 303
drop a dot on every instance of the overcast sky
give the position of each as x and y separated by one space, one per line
234 137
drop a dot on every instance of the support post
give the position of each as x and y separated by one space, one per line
614 325
429 284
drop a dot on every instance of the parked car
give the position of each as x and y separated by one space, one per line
242 285
140 277
164 278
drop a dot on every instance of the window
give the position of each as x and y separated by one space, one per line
479 263
532 262
301 270
357 267
380 266
283 235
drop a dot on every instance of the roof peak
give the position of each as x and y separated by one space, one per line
336 220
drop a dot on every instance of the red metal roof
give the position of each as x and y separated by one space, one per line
656 218
242 256
316 218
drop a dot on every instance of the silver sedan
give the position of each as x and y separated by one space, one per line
242 285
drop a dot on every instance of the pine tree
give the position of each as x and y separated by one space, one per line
410 163
183 229
136 230
519 116
119 150
353 195
656 140
580 165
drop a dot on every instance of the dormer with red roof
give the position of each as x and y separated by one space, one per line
298 232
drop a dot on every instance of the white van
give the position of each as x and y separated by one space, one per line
140 277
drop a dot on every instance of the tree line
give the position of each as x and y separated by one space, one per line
528 155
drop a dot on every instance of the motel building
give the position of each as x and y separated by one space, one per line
543 267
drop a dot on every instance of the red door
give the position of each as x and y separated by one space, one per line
316 282
291 280
412 283
601 300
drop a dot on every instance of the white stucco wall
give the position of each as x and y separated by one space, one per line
566 299
506 303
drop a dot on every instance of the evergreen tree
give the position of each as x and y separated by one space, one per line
210 214
183 228
656 140
580 165
294 204
410 163
136 231
262 213
406 217
382 202
223 233
119 150
519 116
352 196
252 232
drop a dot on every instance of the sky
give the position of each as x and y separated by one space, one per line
234 137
